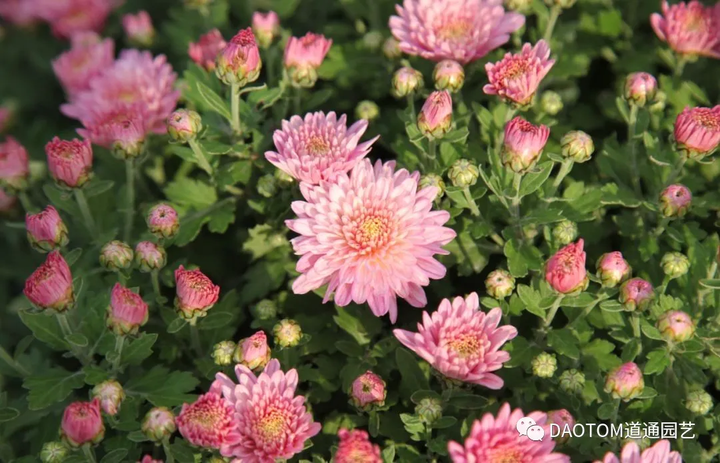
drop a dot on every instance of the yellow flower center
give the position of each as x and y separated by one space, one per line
466 345
453 28
505 456
317 146
272 426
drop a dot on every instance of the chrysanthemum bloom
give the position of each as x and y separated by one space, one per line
88 57
7 202
51 285
564 421
499 284
355 447
110 394
69 17
640 88
689 28
116 255
406 81
184 125
69 161
497 439
625 382
435 118
565 270
577 146
318 147
149 459
209 423
287 333
368 390
370 236
697 131
158 424
658 453
462 342
19 12
636 293
138 28
676 326
196 293
449 75
162 220
118 130
206 49
523 144
675 200
239 62
14 167
82 423
253 352
127 311
46 230
517 77
303 56
462 30
272 421
150 256
613 269
266 27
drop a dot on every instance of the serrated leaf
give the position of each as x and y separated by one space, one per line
192 193
115 456
564 343
657 361
45 328
531 299
222 217
213 100
53 386
650 331
138 350
410 370
531 182
163 388
215 320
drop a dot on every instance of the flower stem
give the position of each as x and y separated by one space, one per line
432 148
553 311
64 325
89 454
680 67
552 20
635 174
169 457
565 169
195 339
11 361
119 342
200 157
85 210
235 108
676 170
517 179
297 100
471 202
25 201
411 104
155 277
635 322
130 198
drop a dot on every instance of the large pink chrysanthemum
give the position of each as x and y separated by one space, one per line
68 17
318 147
371 237
462 30
517 76
497 439
272 421
88 57
692 28
461 341
209 423
658 453
19 12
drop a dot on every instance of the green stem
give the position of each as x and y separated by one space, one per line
411 104
565 169
200 157
85 210
635 322
25 201
676 170
553 311
64 324
11 361
297 101
681 62
635 174
552 20
616 411
235 108
89 453
130 198
517 179
119 342
155 277
271 64
169 457
195 339
432 148
471 202
661 227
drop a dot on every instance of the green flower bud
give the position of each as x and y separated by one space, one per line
572 381
565 232
499 284
287 333
577 145
658 105
158 424
520 6
367 110
551 102
449 75
544 365
406 81
433 180
463 173
675 264
372 40
267 186
116 255
53 452
391 48
183 125
223 352
264 310
561 3
699 402
429 410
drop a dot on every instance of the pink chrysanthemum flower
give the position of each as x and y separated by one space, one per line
461 341
68 17
370 236
209 423
88 57
207 48
51 285
19 12
517 76
355 447
69 161
265 26
46 230
565 271
697 131
162 220
14 167
318 147
658 453
497 439
127 311
462 30
306 52
689 28
272 421
82 423
196 293
149 459
139 28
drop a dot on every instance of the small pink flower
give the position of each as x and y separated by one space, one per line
697 131
461 341
14 167
266 27
625 382
239 62
6 202
87 58
70 161
495 438
303 56
370 236
51 285
272 421
368 389
355 446
676 326
46 230
209 423
19 12
689 28
636 293
196 293
162 220
68 17
111 395
517 77
523 144
149 459
127 311
82 423
461 30
150 256
640 88
138 28
565 271
449 75
253 352
207 48
675 200
435 118
613 269
318 147
563 420
658 453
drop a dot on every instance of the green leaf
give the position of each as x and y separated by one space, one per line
534 180
188 192
139 349
349 348
710 283
53 386
457 196
182 452
611 306
234 172
77 339
444 422
410 371
388 454
163 388
650 331
631 350
657 361
531 299
214 101
266 97
360 328
564 343
522 258
215 320
137 436
456 136
8 414
420 395
374 424
520 352
46 328
176 325
647 393
116 456
94 374
72 256
466 401
97 187
606 411
222 217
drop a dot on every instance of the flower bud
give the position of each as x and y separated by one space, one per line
183 125
287 333
253 352
544 365
205 50
111 395
127 311
239 62
116 255
429 410
223 352
551 103
577 145
45 230
51 285
523 144
636 293
162 220
54 452
14 167
149 459
82 424
128 139
640 88
699 402
195 294
150 256
433 180
565 270
391 48
406 81
265 26
264 310
658 105
139 29
565 232
562 418
69 162
561 3
613 269
368 391
449 75
367 110
625 382
158 424
697 132
676 326
372 40
675 264
303 56
267 185
197 4
572 381
355 446
435 118
499 284
7 203
463 173
675 200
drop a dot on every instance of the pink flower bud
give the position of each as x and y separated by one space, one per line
564 420
675 200
613 269
406 81
162 220
7 202
69 162
82 423
435 118
183 125
51 285
253 352
210 422
565 271
636 293
158 424
523 144
449 75
14 167
676 326
208 47
355 446
46 230
138 28
116 255
88 57
149 459
368 390
239 62
640 88
127 311
196 293
303 56
110 394
6 116
697 131
625 382
128 138
266 27
688 28
150 256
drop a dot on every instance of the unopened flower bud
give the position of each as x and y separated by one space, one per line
128 139
195 294
572 381
162 220
429 410
551 102
267 185
253 352
50 286
636 293
391 48
676 326
265 26
139 29
435 118
303 57
565 271
697 131
14 166
46 231
111 395
127 311
658 105
675 264
264 310
699 402
449 75
54 452
499 284
564 420
287 333
69 161
544 365
433 180
523 144
675 200
150 256
565 232
183 125
640 88
577 145
368 390
520 6
613 269
239 62
82 424
372 40
406 81
223 352
463 173
560 3
367 110
625 382
158 424
116 255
